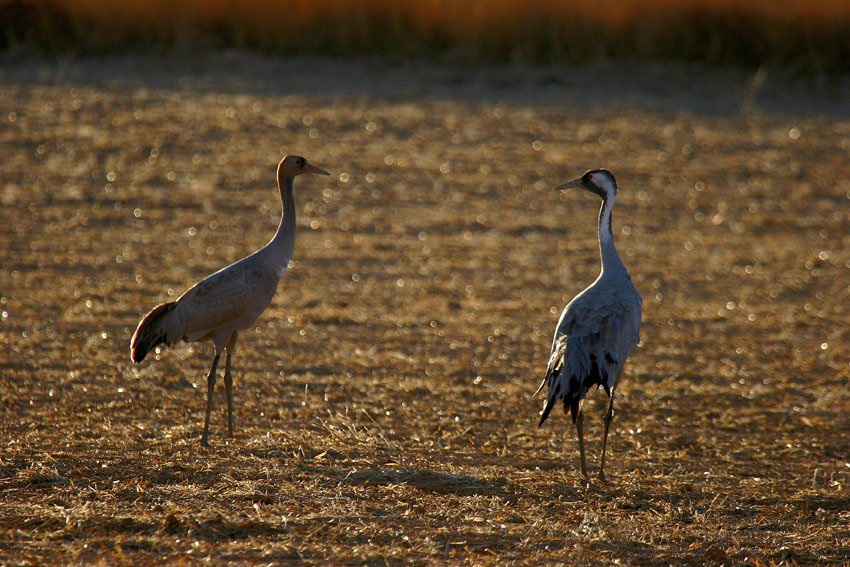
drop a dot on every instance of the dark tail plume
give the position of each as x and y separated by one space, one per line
547 407
150 332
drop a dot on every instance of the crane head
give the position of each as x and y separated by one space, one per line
598 181
291 166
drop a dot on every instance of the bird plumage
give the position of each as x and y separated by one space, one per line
152 331
598 329
229 300
232 297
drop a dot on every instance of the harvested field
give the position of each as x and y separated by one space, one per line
384 402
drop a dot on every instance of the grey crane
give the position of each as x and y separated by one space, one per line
598 329
230 300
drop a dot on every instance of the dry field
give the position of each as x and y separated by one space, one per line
384 402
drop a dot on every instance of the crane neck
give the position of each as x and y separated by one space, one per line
283 244
611 263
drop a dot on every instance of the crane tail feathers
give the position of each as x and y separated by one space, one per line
575 408
542 383
571 373
152 331
547 408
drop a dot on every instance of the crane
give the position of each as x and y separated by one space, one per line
598 329
229 301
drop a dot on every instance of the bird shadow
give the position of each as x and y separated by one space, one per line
425 480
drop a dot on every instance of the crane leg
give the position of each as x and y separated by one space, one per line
228 382
580 432
228 386
210 386
606 420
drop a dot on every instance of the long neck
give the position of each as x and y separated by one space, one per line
611 263
282 245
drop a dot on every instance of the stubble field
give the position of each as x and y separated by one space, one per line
384 401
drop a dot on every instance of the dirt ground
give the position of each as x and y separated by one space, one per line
384 402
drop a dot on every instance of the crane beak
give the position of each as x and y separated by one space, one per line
568 185
310 168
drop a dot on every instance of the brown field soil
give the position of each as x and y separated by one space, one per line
384 402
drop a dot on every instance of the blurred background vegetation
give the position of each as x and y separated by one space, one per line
808 37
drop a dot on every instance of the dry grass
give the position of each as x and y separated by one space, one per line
804 37
387 417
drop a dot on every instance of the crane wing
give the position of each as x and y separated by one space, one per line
235 295
607 317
